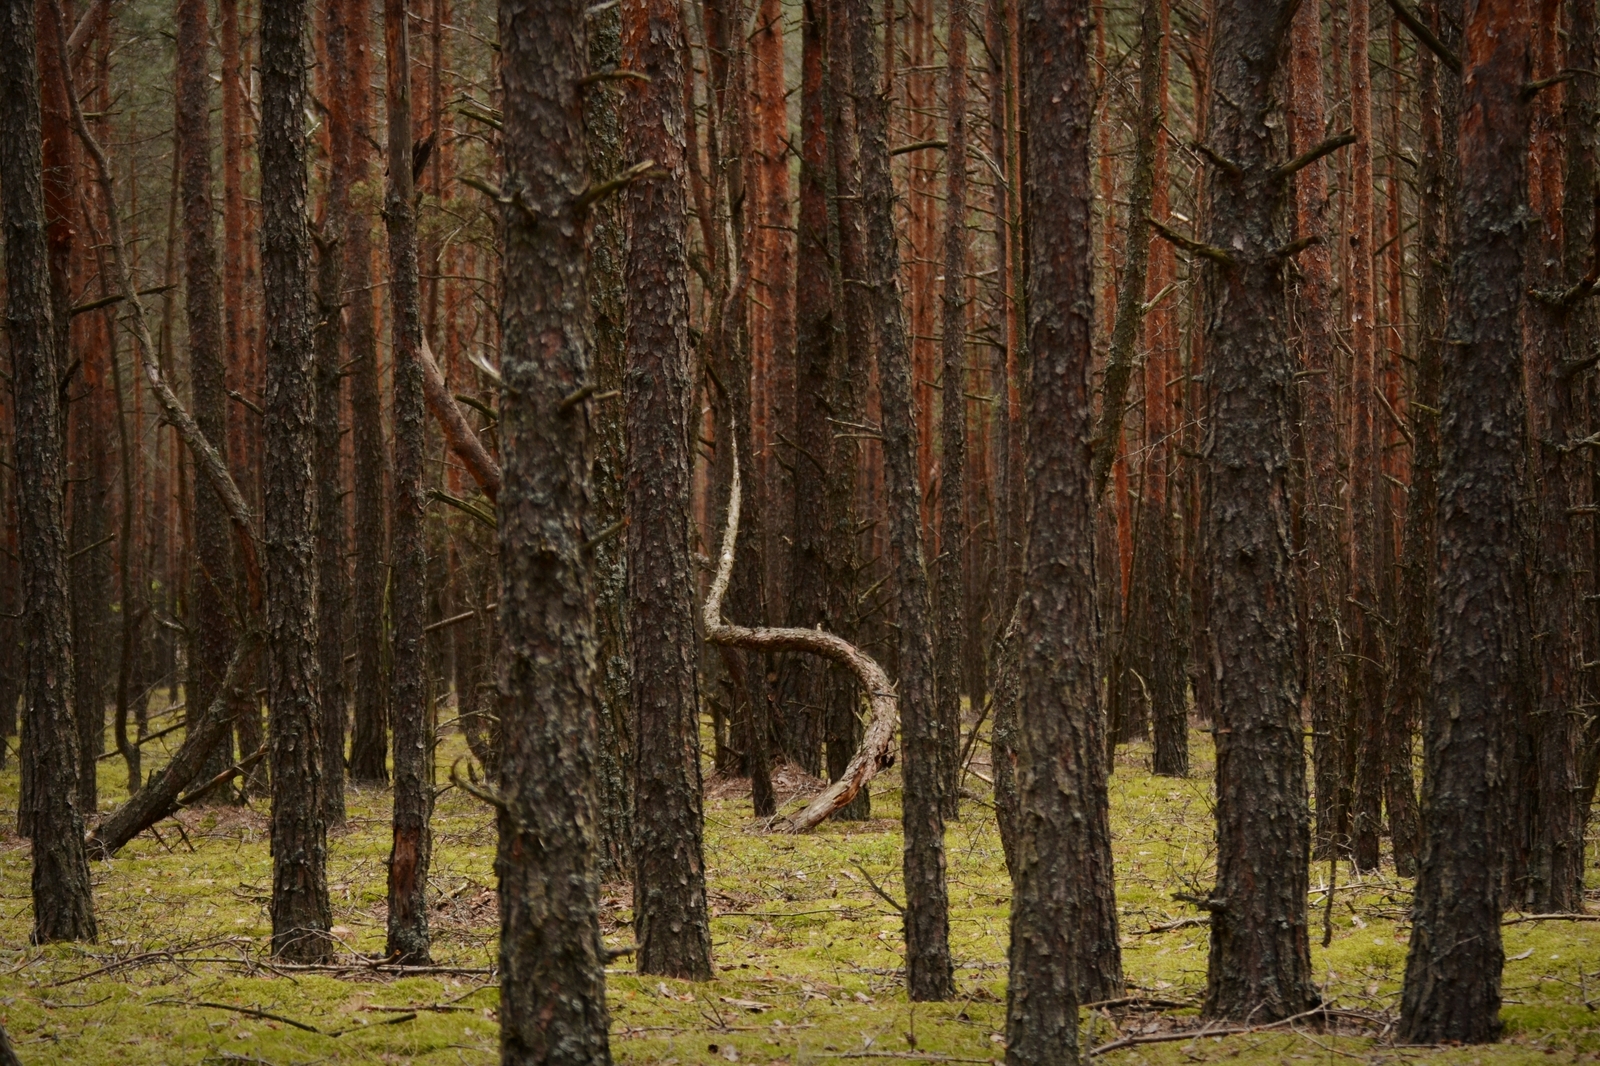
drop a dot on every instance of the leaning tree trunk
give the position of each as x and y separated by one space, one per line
63 906
1260 965
299 907
927 925
1064 944
671 915
1452 984
412 731
552 961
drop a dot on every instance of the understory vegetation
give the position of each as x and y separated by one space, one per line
807 948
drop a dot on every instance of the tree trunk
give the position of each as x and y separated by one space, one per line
408 697
928 975
300 915
63 907
671 918
1452 984
369 740
952 621
1437 179
1260 965
1064 945
602 116
552 961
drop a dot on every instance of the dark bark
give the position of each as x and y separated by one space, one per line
602 119
299 907
211 595
804 682
63 907
552 962
852 339
1452 985
1064 944
928 975
1437 179
369 739
1260 965
333 582
410 707
953 620
88 527
671 918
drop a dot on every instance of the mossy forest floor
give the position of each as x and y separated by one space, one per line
807 954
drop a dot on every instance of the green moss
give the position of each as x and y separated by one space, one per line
808 956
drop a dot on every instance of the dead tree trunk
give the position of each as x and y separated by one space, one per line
1452 985
552 961
63 906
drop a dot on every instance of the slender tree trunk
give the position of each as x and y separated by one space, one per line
63 907
1452 984
952 621
1260 965
552 961
1063 918
928 975
852 338
671 916
1437 178
300 915
408 698
602 110
369 740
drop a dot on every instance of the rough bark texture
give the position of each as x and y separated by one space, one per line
552 962
1322 565
928 974
332 575
63 907
602 120
1437 179
671 915
1064 945
211 594
369 739
412 726
300 915
953 621
1260 965
1452 984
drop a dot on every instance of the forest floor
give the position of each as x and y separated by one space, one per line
808 955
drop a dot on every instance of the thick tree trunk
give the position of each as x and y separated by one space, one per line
1064 945
953 621
369 739
928 975
671 915
602 117
411 708
300 915
552 961
1260 965
63 907
212 597
1452 985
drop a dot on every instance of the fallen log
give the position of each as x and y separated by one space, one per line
457 433
873 753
